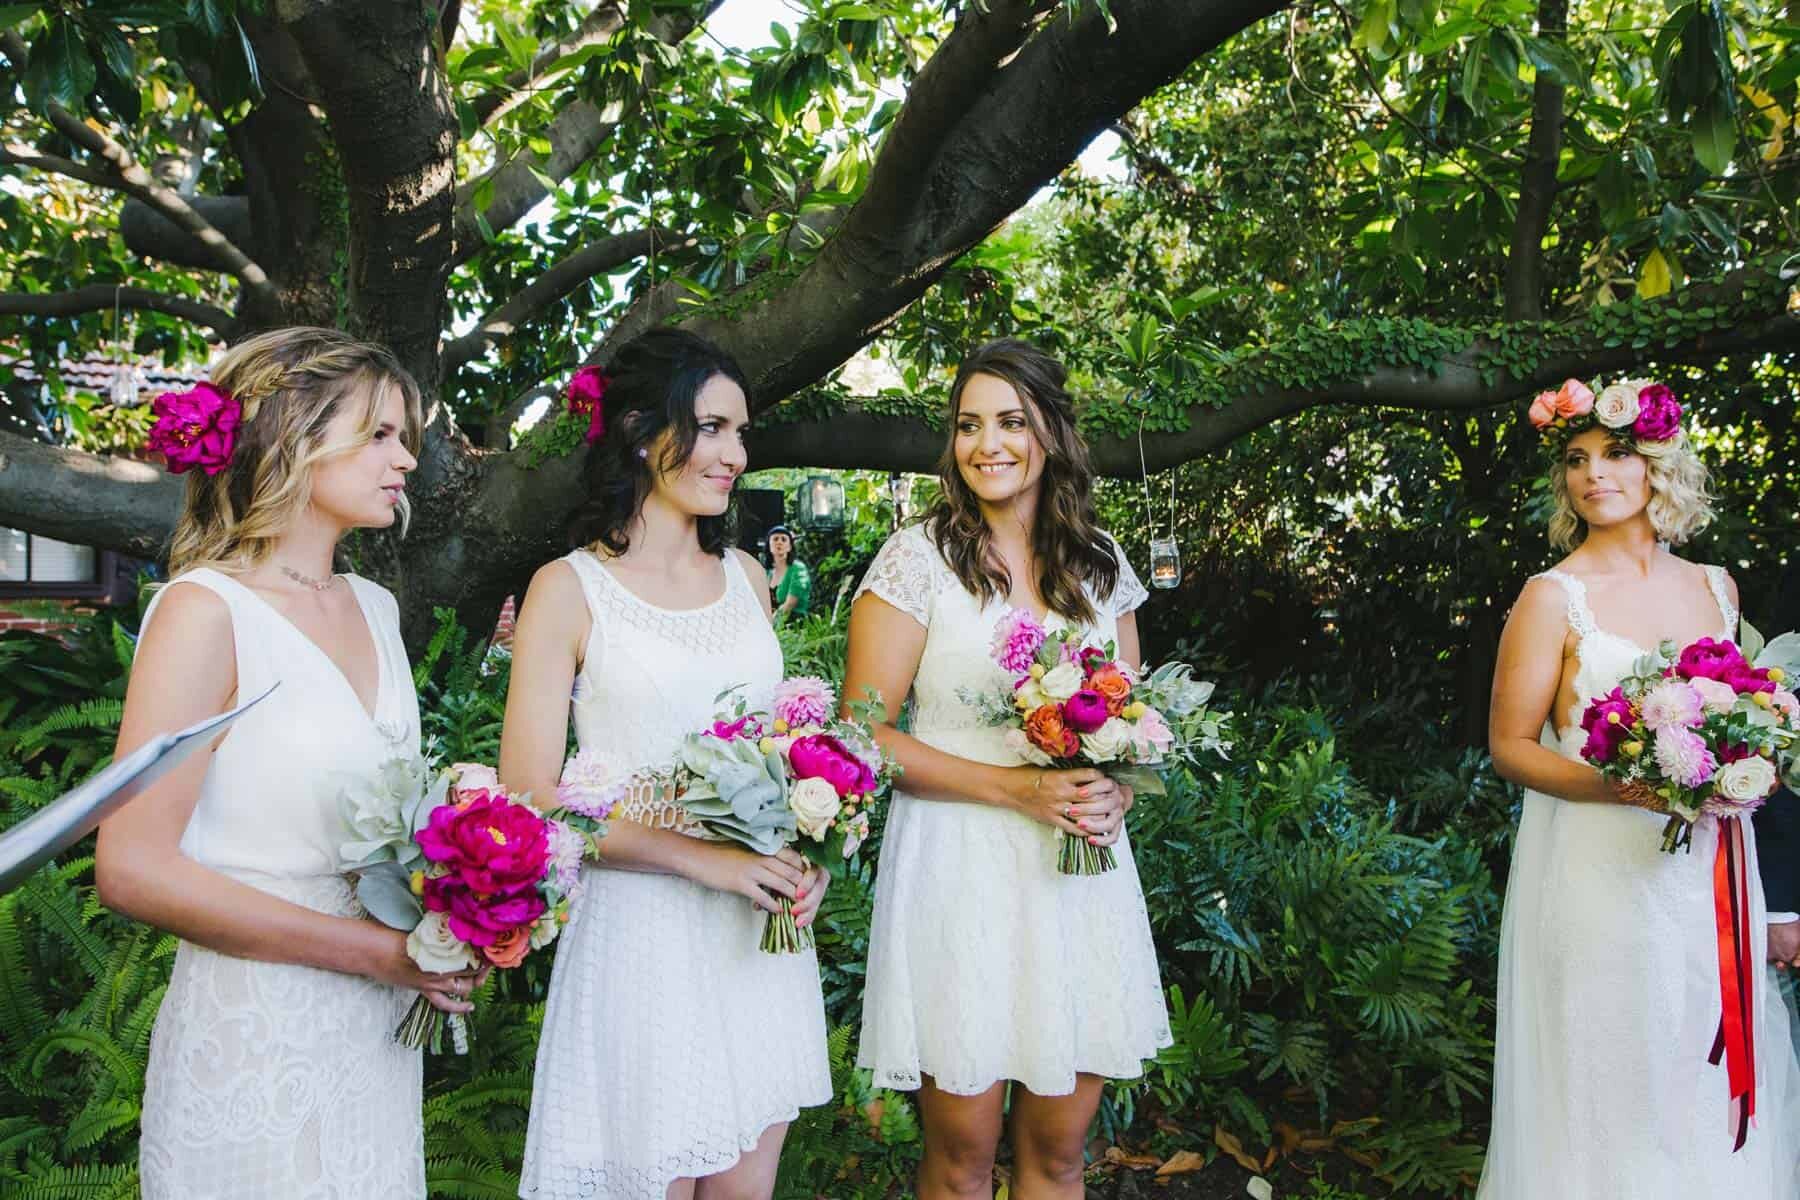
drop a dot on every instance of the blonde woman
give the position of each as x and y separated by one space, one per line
273 1070
1609 995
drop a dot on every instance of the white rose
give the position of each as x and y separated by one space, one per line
545 929
1746 779
435 948
1617 405
815 806
1109 742
1019 744
1061 682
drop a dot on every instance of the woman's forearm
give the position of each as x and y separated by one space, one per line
1531 765
936 775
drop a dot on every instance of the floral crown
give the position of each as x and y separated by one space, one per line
1639 409
587 397
196 428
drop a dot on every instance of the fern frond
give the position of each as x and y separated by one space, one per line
56 1182
465 1179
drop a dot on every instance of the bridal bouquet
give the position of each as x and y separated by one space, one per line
790 776
1709 731
473 875
1073 705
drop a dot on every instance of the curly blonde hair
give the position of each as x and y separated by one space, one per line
291 384
1680 500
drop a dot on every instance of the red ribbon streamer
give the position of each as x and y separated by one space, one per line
1736 1039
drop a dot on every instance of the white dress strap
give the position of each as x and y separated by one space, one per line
1581 617
1715 578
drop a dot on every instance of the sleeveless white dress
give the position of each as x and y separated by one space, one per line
1609 997
277 1080
671 1042
985 963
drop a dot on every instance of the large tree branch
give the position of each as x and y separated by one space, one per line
556 282
1537 178
598 26
575 136
15 154
114 503
136 181
103 297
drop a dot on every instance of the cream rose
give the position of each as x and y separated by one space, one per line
435 948
472 777
1061 682
1617 406
1746 779
545 929
815 806
1109 742
1019 744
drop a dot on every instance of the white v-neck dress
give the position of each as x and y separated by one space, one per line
268 1079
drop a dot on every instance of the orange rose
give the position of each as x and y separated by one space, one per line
1044 726
510 948
1574 399
1110 682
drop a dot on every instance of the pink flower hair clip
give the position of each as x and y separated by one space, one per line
1638 409
196 428
587 397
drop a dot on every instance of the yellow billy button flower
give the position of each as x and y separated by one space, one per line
1023 703
1135 710
1762 700
1612 718
1777 675
1037 671
418 883
767 745
1633 749
781 726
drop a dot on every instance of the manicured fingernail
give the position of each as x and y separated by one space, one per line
1083 825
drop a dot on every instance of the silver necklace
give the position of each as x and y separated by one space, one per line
317 585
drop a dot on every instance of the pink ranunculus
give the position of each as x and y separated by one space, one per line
478 918
803 700
1085 711
1151 736
489 843
822 756
1708 659
1659 415
1543 410
195 428
1017 639
1092 659
1574 399
587 396
1606 736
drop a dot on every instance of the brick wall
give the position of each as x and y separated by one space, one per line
38 623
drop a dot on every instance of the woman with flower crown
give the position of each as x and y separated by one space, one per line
273 1071
1610 994
986 964
674 1051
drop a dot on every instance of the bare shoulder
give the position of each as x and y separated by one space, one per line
554 602
192 626
758 575
1542 604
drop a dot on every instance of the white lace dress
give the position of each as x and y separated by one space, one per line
1609 997
670 1042
985 963
275 1080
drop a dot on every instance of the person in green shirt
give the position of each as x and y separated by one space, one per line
788 576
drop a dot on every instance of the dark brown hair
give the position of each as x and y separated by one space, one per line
652 385
1066 541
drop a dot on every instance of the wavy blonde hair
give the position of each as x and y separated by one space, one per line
1680 500
291 384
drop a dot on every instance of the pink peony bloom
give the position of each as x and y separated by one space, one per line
1659 415
196 428
1543 410
1707 659
489 843
477 917
1748 680
1683 757
1672 704
587 395
1085 711
1017 639
822 756
803 700
1605 736
1574 399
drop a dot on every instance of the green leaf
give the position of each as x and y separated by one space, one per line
1555 59
14 14
386 891
1714 135
60 67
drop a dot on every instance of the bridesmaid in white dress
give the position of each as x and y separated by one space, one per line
273 1071
674 1051
985 964
1609 992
